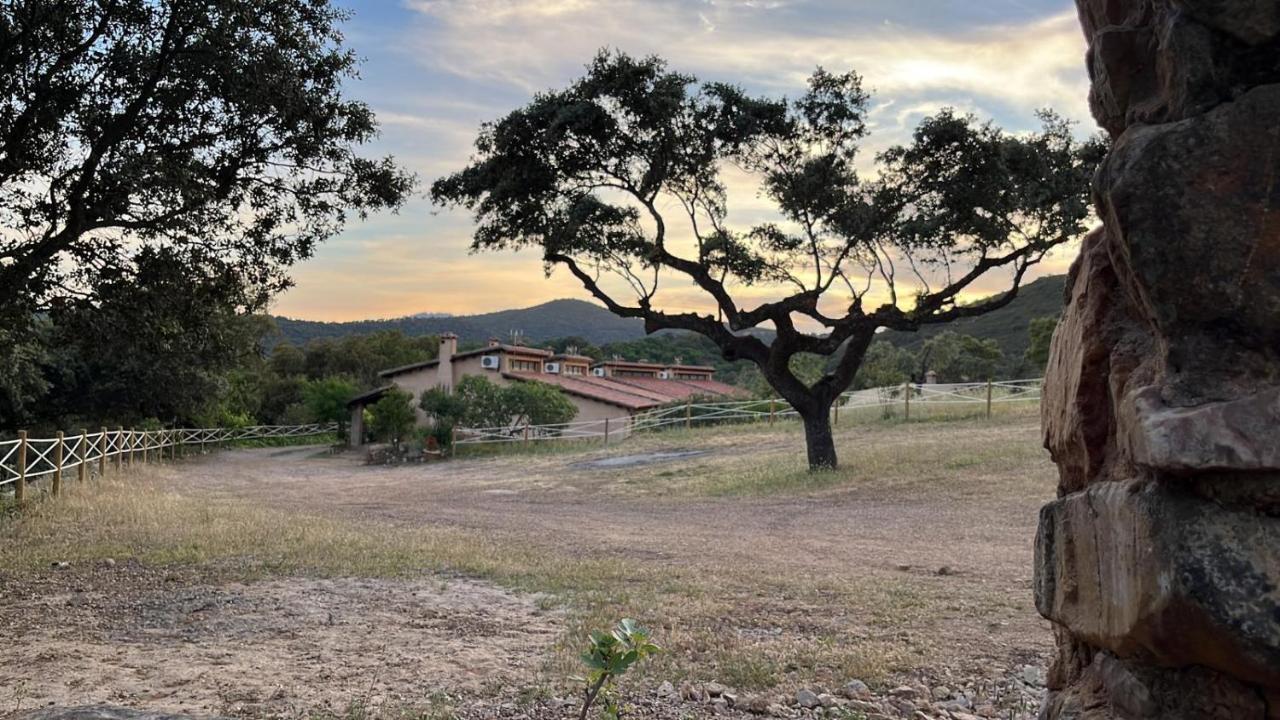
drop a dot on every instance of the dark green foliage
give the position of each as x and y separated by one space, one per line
1040 334
312 384
392 417
485 403
477 402
535 403
22 379
594 177
217 130
1009 326
959 358
444 407
156 340
540 323
162 165
807 367
884 365
326 399
360 357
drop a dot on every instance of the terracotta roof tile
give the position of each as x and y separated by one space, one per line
613 394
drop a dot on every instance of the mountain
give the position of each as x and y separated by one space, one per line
558 318
1007 326
565 318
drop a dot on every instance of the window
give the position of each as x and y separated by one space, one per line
525 365
692 376
634 373
574 370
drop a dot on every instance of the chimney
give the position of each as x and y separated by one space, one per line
494 342
444 370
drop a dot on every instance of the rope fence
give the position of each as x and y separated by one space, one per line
26 460
988 395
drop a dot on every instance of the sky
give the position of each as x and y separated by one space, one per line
434 70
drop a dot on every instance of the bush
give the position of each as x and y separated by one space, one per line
477 402
326 399
393 417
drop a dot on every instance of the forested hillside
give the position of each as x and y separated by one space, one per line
1008 326
558 318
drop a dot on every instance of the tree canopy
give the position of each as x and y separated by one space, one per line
479 403
622 175
211 139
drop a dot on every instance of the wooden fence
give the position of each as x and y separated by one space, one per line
26 460
896 398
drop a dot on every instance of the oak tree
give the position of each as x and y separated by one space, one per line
217 130
626 173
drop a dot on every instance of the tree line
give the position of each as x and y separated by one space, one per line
106 368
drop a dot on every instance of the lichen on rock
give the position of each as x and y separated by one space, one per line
1159 564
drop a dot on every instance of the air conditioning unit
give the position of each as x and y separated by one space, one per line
553 368
664 375
598 372
489 362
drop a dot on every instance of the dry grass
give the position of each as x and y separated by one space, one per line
889 458
753 625
140 518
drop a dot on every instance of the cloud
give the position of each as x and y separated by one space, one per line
540 44
437 69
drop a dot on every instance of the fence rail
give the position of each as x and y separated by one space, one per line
28 459
906 396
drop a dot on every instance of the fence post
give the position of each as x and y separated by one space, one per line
83 468
146 446
20 486
453 440
58 446
606 431
772 409
836 408
119 448
906 399
688 414
102 457
988 398
133 447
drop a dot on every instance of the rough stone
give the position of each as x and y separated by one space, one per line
1099 346
1159 564
1119 565
1252 21
806 698
856 690
1203 254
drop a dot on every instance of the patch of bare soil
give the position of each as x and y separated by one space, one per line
162 639
926 560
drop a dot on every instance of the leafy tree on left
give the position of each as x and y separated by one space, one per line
211 136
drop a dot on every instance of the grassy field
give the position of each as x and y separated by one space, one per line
911 560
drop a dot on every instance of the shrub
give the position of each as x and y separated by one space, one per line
393 417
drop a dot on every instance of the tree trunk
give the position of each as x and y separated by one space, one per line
818 440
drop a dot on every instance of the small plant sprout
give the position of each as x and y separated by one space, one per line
609 656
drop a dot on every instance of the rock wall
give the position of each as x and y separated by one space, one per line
1159 563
